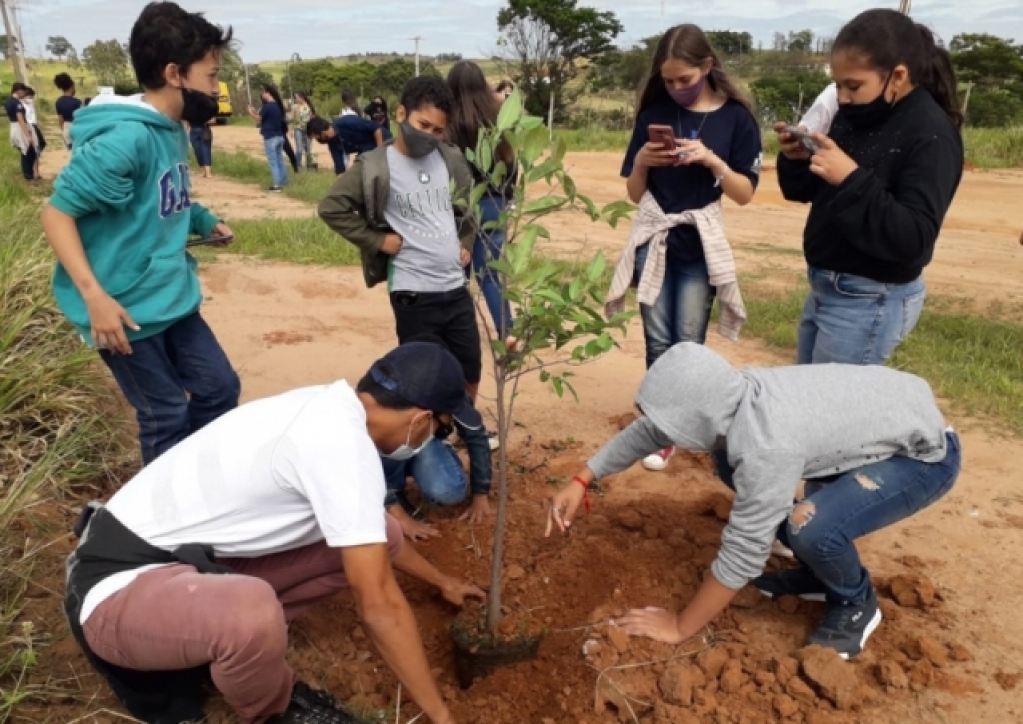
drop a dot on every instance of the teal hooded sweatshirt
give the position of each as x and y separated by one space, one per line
127 186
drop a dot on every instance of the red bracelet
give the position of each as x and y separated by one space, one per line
586 495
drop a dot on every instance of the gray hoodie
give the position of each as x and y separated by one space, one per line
779 425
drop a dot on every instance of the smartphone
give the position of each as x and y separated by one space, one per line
803 137
665 135
209 240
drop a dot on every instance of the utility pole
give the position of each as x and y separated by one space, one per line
22 48
13 49
966 101
291 88
417 39
248 89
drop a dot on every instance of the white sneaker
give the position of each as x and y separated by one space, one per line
659 460
495 443
777 549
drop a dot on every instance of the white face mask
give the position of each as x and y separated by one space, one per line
406 451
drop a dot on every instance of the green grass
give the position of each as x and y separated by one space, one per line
595 139
306 186
972 360
985 147
994 147
300 241
57 428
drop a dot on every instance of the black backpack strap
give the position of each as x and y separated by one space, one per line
84 516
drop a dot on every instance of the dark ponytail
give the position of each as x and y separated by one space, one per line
888 38
940 77
275 94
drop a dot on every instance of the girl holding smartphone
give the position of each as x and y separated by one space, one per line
716 151
879 184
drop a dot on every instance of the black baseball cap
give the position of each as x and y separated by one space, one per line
428 376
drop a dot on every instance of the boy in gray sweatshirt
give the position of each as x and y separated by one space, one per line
870 443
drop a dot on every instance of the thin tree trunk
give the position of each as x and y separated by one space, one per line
497 561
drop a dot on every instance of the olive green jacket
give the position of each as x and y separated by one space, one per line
354 206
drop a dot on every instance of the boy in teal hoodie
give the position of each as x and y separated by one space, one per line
119 219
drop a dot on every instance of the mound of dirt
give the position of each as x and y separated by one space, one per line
748 667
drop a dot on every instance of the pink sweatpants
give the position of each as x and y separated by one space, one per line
175 618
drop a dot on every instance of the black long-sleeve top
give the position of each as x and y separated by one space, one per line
882 222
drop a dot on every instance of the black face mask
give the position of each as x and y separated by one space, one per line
200 108
868 115
418 143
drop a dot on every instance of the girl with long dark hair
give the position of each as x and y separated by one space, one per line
880 183
707 146
350 104
273 129
302 111
476 109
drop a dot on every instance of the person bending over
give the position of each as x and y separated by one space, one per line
870 443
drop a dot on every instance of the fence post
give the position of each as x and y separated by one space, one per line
550 116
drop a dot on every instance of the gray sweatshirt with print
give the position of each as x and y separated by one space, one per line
779 425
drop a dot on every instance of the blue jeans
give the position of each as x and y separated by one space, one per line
304 148
855 320
486 249
682 310
203 149
438 470
274 148
178 381
837 510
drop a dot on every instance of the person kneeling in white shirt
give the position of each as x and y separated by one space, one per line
198 563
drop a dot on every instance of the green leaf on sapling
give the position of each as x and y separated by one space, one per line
511 111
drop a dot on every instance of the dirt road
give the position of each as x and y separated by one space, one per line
978 257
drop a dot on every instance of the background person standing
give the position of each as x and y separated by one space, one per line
201 138
271 127
302 111
22 135
33 120
66 106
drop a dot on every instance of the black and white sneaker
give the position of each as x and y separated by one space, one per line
847 626
275 189
791 582
309 706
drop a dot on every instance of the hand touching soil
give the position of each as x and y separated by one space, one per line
478 510
456 591
654 623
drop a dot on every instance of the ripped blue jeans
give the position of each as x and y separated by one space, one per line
835 511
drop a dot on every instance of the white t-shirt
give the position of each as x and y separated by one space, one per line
821 114
270 476
30 111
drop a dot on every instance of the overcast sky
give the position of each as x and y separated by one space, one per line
274 29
